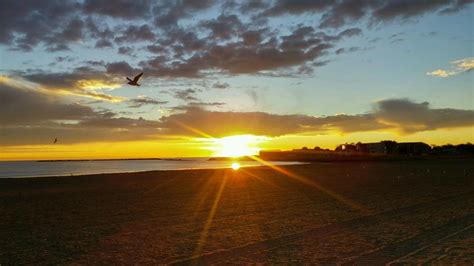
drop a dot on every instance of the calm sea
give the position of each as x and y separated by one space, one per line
16 169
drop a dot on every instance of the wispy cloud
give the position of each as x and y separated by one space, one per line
458 67
82 81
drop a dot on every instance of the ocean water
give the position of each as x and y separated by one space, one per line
17 169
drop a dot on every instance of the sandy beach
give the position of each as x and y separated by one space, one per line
355 213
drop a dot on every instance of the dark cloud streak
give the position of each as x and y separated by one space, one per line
402 115
142 101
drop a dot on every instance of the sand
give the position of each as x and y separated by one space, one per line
354 213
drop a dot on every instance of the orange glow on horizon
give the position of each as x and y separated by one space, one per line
206 146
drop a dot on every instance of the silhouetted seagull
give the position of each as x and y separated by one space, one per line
55 140
135 80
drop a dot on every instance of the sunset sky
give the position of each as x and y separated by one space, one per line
277 74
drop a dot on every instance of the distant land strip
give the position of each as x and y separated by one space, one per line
122 159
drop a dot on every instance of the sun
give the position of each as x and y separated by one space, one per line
235 166
237 146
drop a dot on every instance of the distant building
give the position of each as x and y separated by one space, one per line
392 147
413 148
346 148
358 151
306 150
377 147
449 149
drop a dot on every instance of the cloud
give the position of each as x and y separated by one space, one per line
31 116
237 59
98 29
57 47
223 27
297 7
21 105
402 115
82 81
60 59
257 51
73 32
221 86
239 39
456 6
409 117
441 73
348 50
179 40
156 49
121 68
252 37
26 25
252 93
350 32
336 14
135 34
169 12
466 64
185 94
197 105
92 130
252 5
219 124
458 67
126 50
143 100
399 9
57 24
119 9
103 43
344 12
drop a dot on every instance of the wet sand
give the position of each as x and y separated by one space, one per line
354 213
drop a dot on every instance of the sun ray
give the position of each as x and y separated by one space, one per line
202 196
314 184
203 237
268 182
194 130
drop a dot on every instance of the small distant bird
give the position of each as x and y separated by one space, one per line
55 140
135 80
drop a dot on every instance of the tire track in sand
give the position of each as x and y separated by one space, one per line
273 243
396 252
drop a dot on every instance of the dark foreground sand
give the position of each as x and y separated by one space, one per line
356 213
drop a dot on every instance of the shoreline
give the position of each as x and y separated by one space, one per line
279 163
229 167
127 173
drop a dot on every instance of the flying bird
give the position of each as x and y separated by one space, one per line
55 140
135 80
